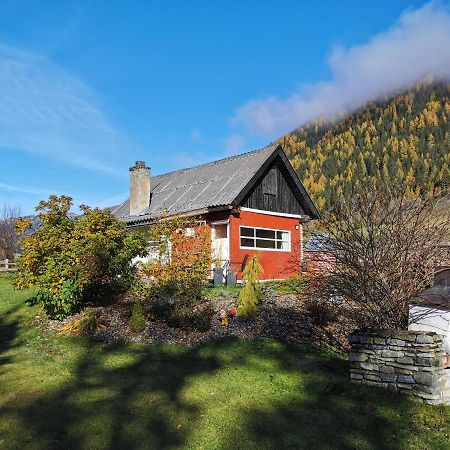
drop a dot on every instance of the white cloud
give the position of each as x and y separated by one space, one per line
417 46
24 189
234 144
46 111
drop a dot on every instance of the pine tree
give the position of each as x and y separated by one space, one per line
251 292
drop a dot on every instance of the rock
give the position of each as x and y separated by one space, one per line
408 360
408 379
428 379
356 376
365 339
388 377
372 377
368 366
424 339
427 360
393 341
391 354
357 356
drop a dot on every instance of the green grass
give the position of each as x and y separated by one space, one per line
218 291
292 285
65 392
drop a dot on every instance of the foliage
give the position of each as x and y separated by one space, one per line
321 311
162 307
401 140
75 261
90 322
189 316
183 262
386 249
185 314
73 393
138 321
251 292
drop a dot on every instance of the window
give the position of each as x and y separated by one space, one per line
265 239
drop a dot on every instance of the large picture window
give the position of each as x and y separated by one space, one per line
265 239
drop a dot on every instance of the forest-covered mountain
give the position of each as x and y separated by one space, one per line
405 138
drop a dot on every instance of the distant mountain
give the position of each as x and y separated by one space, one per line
403 138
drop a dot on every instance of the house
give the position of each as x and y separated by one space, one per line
253 202
318 255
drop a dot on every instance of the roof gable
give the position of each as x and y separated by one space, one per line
216 184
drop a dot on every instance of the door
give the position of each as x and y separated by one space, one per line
220 243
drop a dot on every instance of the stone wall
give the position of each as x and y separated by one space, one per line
406 361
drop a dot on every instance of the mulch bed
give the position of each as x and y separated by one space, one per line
280 317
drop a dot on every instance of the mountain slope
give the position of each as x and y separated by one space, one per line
405 139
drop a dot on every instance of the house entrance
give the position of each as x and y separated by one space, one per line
220 242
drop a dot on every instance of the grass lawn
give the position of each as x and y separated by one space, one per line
62 392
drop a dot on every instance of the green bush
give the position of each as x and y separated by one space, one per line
321 311
250 294
138 321
73 262
161 308
191 317
62 305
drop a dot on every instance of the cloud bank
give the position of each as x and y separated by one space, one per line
416 47
46 111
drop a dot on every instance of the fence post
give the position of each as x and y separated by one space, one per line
6 264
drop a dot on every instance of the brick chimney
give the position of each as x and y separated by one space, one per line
139 188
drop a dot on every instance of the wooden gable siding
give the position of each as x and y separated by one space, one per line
273 192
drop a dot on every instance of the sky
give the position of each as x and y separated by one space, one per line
87 88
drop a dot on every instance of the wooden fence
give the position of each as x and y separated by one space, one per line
7 266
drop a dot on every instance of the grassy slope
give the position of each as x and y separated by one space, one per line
69 392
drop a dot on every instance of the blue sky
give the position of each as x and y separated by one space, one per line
87 88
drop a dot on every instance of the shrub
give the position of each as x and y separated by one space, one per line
321 312
138 321
191 317
386 246
161 308
181 269
250 294
75 261
90 322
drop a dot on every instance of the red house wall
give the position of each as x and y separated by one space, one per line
276 264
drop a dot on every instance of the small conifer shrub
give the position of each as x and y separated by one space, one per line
138 321
251 292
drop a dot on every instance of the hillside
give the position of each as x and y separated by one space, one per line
405 138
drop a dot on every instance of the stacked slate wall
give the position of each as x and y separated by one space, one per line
406 361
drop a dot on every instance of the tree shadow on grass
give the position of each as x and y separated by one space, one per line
117 398
330 412
8 334
130 396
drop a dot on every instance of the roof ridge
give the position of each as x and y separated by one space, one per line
228 158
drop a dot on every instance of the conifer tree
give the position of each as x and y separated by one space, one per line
251 292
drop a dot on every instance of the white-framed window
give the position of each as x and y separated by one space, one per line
265 239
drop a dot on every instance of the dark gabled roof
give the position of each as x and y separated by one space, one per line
219 184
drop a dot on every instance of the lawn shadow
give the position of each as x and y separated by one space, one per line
8 334
328 412
117 397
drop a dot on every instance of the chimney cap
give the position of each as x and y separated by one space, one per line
139 165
